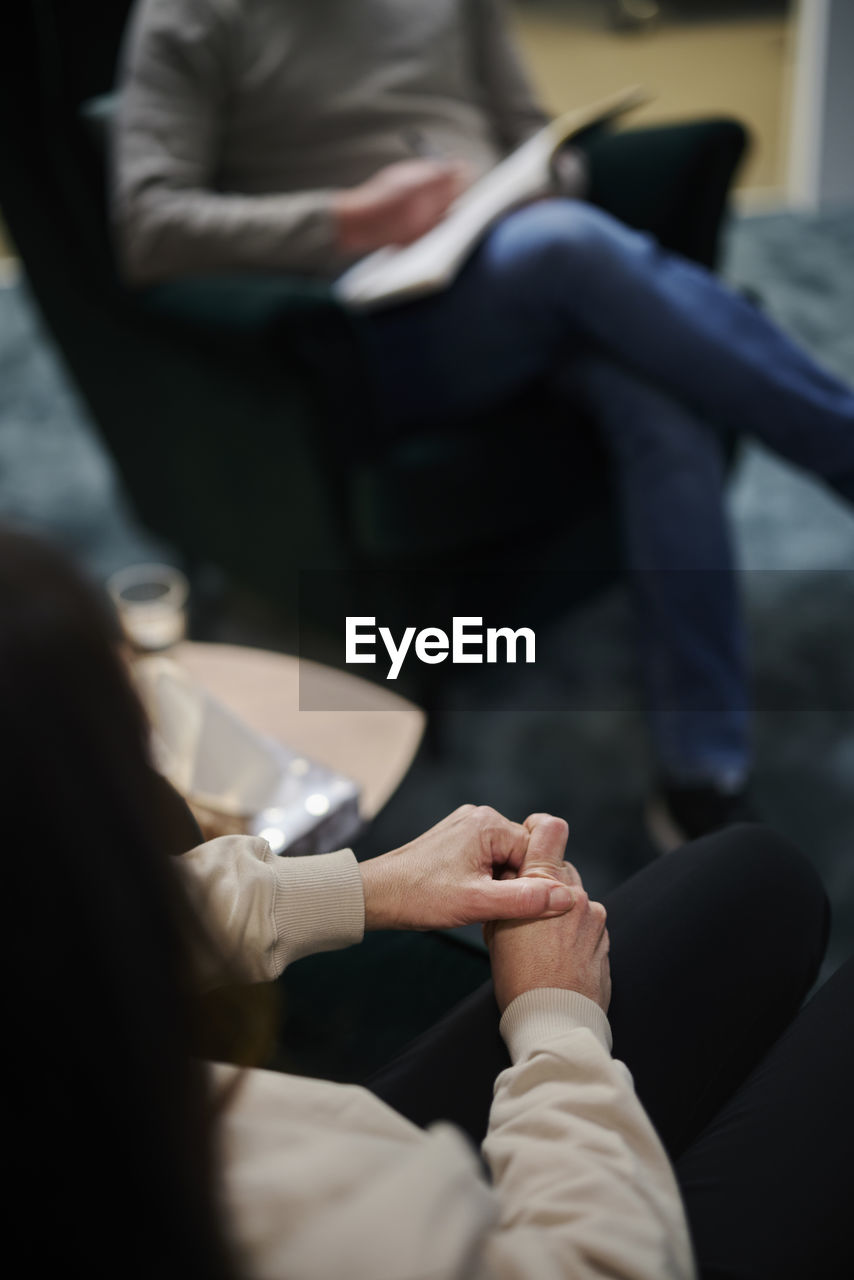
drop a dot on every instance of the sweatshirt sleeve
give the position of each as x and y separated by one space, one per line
509 94
169 219
263 912
584 1186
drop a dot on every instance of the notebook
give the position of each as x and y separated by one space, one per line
432 262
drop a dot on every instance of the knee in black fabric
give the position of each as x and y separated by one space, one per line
767 871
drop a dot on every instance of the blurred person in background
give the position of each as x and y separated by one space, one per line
278 136
141 1159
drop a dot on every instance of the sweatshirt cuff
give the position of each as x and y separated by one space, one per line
536 1017
319 904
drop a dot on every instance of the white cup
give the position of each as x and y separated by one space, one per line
151 601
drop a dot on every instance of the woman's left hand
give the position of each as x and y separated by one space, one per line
464 871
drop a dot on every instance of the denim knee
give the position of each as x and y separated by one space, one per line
643 425
566 244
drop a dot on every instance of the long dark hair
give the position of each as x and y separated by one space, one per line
114 1142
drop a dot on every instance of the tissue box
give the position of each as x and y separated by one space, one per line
255 784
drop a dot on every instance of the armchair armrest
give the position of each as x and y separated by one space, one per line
672 180
241 305
276 324
276 331
97 116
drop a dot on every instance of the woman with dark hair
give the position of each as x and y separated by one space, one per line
114 1117
142 1161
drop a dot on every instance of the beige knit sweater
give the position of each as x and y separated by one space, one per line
325 1181
240 118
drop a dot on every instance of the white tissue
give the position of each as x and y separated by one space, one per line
205 750
215 759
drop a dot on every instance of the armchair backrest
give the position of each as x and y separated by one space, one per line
60 53
160 384
86 36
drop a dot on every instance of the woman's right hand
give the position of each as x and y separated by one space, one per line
569 951
397 205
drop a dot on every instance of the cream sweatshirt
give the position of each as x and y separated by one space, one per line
239 119
325 1181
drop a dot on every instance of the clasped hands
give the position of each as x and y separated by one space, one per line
478 867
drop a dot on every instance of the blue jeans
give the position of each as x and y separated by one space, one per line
665 357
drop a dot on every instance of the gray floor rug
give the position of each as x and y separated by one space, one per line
796 544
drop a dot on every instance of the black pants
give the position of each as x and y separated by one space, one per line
713 950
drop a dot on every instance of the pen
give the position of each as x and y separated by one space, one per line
419 146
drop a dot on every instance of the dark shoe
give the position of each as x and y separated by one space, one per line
676 814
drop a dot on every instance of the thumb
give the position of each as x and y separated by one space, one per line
526 898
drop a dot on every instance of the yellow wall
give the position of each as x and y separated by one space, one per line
693 68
